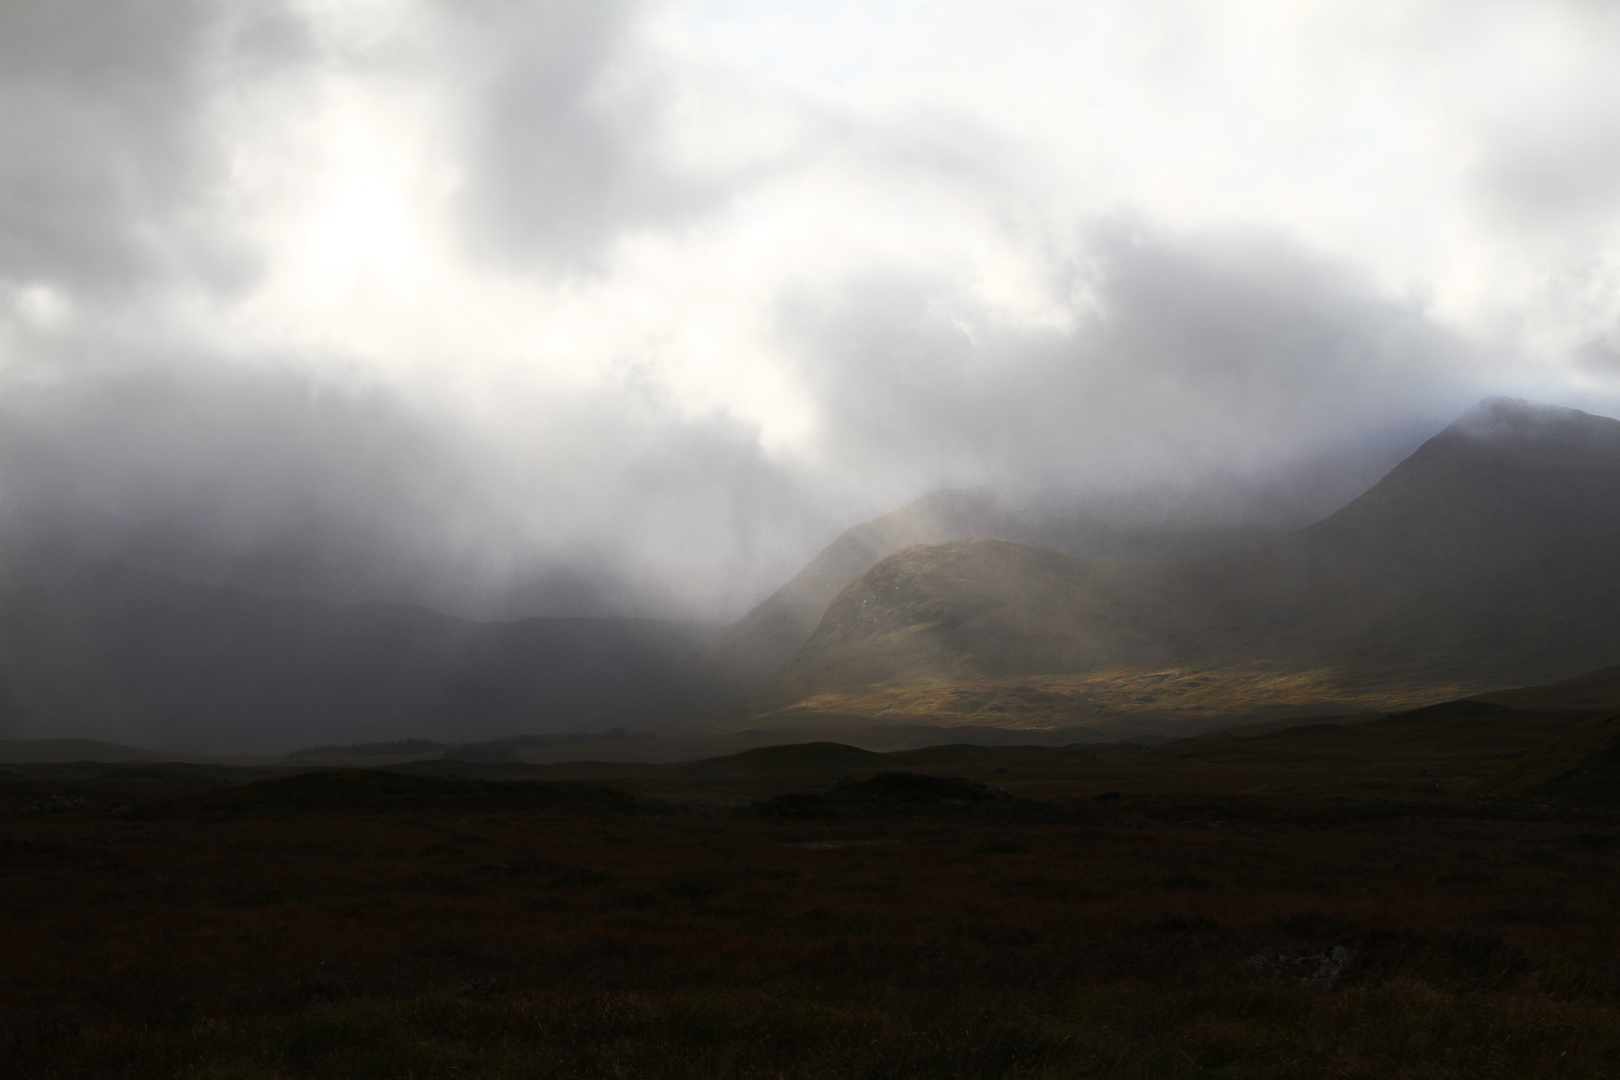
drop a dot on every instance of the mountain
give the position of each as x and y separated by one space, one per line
1490 557
1152 526
98 650
759 643
1487 558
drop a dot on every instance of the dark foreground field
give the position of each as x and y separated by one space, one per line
1297 905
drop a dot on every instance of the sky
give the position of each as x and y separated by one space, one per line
615 307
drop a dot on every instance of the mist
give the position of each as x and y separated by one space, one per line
574 309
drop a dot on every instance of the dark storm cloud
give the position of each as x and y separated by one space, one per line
258 476
268 478
105 147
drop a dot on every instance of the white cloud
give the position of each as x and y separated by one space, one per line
686 285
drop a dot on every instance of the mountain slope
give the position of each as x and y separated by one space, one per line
1489 550
1581 767
1489 557
104 651
991 608
1152 525
767 637
1593 690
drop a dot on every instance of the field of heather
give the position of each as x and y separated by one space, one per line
753 920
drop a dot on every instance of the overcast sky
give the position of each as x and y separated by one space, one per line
633 306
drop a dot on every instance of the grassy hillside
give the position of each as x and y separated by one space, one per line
1490 557
1598 689
1581 767
760 642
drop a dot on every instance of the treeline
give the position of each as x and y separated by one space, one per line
510 745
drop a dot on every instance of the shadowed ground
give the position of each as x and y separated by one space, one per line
1310 900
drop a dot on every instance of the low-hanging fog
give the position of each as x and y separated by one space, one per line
569 308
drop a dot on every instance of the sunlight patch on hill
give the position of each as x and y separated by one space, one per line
1185 698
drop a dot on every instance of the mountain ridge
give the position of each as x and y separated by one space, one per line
1490 557
1155 529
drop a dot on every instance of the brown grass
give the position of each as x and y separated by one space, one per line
155 933
1118 704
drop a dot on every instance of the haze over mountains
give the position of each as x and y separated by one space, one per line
97 650
1488 558
1152 523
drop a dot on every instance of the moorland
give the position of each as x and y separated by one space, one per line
1398 895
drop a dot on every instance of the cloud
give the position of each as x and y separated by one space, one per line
1198 363
515 307
262 477
1191 360
559 120
106 152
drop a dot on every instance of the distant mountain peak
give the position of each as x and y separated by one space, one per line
1514 420
1501 438
1490 556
